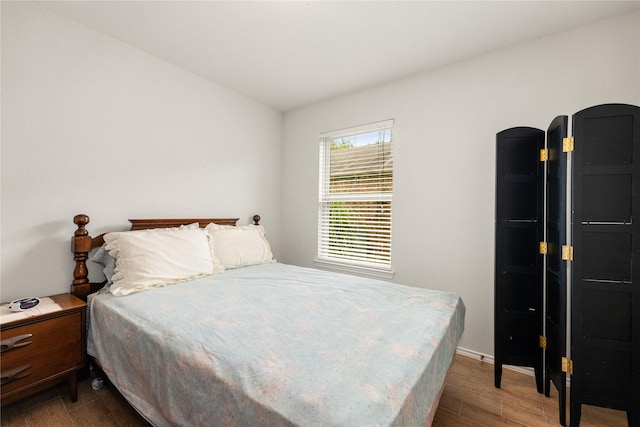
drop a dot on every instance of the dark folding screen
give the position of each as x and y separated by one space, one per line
605 297
556 268
602 199
518 262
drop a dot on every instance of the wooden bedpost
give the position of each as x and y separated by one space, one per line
256 220
80 246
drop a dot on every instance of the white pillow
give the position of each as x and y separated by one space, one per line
158 257
239 246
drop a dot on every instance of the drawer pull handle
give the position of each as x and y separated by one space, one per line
11 343
15 374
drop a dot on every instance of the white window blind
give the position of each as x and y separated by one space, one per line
355 195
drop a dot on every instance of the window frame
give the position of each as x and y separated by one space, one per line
352 265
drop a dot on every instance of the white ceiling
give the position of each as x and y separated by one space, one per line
288 54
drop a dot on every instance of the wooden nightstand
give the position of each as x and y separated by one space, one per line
41 351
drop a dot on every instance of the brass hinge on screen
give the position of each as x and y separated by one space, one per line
543 342
543 248
567 253
567 144
544 155
567 365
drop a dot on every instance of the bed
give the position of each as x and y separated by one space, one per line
260 343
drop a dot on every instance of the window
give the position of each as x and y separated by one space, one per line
356 188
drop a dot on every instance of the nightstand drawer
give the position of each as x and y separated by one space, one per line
41 350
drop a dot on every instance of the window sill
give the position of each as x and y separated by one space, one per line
375 273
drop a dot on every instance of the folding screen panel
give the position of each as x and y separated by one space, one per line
605 296
556 268
518 262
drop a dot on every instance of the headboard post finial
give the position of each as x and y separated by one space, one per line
256 220
81 220
80 246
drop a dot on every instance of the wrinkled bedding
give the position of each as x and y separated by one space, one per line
278 345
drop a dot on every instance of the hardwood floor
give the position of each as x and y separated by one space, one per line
469 399
53 407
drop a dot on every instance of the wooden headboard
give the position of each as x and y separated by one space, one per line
82 243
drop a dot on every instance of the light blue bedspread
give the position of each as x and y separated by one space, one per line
278 345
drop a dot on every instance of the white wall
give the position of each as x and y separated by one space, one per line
91 125
446 122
